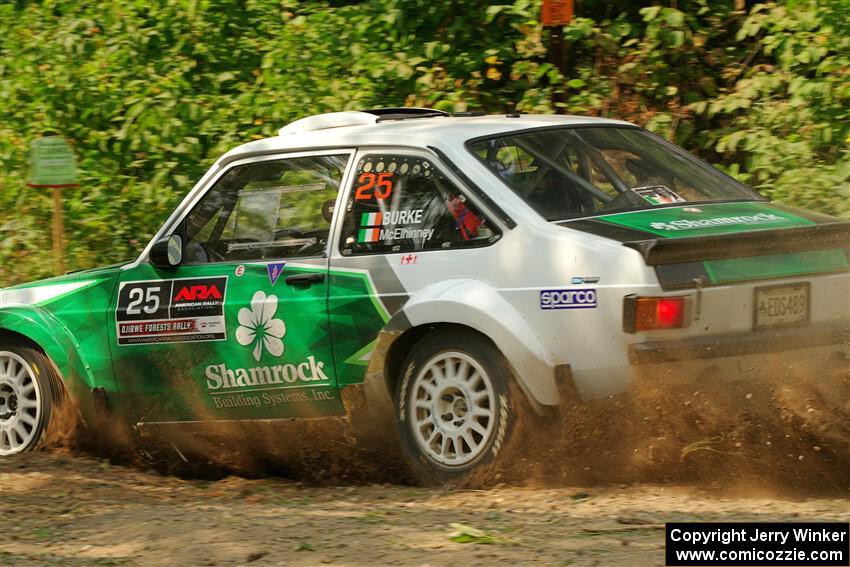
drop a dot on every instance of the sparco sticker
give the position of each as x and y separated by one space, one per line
567 299
171 311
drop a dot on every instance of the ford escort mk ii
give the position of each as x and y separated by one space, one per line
455 271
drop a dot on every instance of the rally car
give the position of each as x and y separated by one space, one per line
454 269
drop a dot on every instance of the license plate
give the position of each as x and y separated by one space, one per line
781 305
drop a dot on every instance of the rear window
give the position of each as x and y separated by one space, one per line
401 203
565 173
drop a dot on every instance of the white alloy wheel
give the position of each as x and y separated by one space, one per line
21 404
452 409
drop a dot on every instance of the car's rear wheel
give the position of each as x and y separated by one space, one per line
453 408
25 399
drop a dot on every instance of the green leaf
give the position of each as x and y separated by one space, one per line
650 13
493 11
467 534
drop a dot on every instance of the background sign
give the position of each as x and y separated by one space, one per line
52 163
556 12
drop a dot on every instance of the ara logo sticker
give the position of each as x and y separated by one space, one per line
259 328
197 292
274 271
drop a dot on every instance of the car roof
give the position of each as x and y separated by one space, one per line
358 129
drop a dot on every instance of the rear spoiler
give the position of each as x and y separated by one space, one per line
660 251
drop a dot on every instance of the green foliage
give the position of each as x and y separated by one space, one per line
786 116
151 93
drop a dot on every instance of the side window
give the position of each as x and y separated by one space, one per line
271 209
550 173
404 203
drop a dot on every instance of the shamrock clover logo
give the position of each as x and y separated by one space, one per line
257 325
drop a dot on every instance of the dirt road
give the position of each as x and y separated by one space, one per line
593 485
60 508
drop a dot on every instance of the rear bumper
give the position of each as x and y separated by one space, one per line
835 337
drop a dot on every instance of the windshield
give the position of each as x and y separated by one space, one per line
566 173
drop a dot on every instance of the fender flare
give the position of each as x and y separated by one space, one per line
42 328
477 305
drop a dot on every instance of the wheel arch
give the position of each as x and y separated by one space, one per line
37 328
480 308
58 390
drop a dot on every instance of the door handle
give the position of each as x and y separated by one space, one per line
305 279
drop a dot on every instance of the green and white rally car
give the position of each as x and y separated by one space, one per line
452 269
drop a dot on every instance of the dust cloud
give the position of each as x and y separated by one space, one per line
788 433
780 434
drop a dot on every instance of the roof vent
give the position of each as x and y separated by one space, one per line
356 118
405 112
329 120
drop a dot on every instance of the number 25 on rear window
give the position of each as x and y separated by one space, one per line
377 185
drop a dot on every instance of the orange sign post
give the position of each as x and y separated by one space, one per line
556 12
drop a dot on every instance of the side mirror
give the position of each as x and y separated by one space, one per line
167 252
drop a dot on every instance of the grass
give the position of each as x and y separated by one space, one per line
43 533
467 534
373 518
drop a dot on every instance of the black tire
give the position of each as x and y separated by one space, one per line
435 413
26 398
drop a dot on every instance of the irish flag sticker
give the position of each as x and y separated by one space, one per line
370 227
369 235
370 219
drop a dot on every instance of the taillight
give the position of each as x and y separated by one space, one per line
651 313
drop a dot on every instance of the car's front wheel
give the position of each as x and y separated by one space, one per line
453 407
25 399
